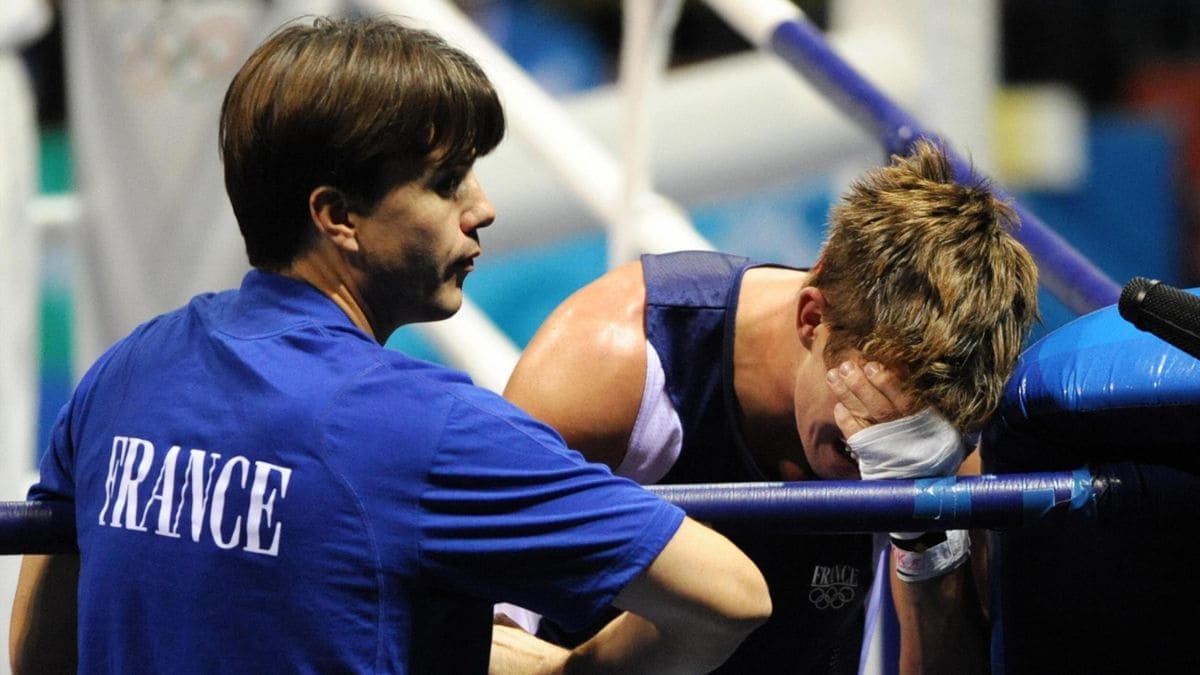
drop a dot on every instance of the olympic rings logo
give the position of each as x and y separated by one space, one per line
176 49
831 597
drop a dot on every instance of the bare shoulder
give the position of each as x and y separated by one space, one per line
604 318
584 370
616 296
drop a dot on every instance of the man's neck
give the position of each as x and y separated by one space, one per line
767 349
332 278
766 354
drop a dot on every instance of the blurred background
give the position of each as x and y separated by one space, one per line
1086 111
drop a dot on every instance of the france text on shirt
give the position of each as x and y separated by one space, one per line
209 484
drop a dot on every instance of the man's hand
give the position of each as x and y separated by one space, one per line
883 433
940 627
516 652
867 395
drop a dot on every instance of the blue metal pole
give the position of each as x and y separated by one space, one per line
1064 271
1120 494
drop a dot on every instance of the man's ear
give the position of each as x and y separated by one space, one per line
809 312
330 214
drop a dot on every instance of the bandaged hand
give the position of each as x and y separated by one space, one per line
890 441
866 395
884 433
921 445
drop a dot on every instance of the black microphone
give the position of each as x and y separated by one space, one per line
1165 311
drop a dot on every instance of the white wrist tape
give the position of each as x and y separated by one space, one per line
935 561
524 618
922 445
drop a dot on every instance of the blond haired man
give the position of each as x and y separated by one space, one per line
700 367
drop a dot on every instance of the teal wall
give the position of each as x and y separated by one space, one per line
55 315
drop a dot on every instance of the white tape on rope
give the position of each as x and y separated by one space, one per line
756 20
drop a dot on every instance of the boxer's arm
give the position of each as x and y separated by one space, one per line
583 372
942 628
943 621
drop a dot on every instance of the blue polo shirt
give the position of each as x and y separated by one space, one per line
260 487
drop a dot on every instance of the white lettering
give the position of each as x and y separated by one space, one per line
262 506
115 459
131 479
844 575
164 494
218 498
218 505
200 487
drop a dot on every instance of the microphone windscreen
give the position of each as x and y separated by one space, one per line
1132 297
1168 312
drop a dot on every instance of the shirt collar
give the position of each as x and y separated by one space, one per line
269 302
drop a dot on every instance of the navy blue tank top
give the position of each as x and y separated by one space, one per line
818 582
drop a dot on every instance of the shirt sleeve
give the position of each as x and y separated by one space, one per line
57 466
55 482
512 515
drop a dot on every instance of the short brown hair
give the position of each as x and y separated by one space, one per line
330 104
922 273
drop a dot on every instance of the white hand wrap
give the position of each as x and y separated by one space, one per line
934 561
922 445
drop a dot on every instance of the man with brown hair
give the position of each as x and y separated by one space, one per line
260 486
700 367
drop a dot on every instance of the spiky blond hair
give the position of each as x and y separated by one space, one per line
922 273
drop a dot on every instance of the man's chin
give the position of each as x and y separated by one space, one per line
446 306
433 311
